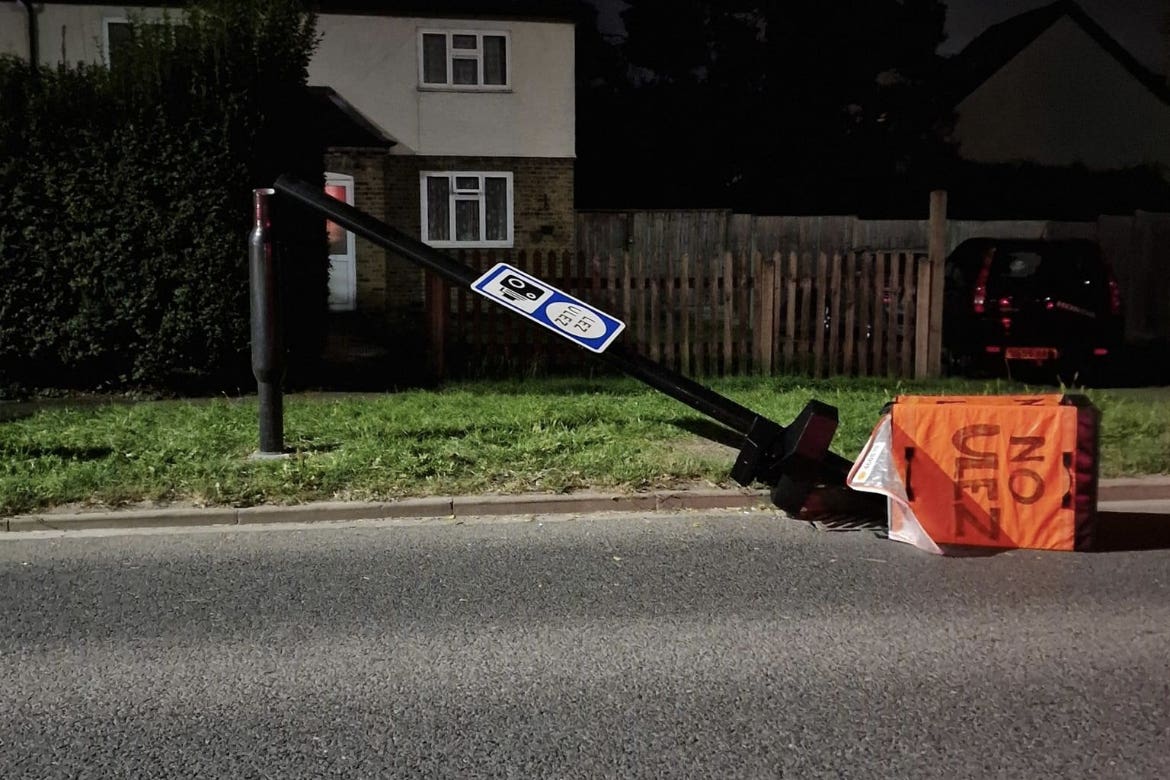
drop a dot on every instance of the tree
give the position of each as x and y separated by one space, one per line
765 105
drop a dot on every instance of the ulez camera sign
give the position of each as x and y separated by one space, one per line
549 307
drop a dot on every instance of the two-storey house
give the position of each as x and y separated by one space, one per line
449 119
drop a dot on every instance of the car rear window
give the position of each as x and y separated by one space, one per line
1069 271
1016 265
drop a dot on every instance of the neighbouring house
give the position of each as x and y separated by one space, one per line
1053 88
1056 120
452 120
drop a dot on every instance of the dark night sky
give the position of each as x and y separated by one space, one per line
1136 24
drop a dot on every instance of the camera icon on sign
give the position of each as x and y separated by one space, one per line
515 288
522 292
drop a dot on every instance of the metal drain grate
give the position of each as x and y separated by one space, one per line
844 522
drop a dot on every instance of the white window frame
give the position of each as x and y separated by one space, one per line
454 196
106 22
349 300
451 86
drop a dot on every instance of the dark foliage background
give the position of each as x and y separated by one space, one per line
125 203
800 107
765 107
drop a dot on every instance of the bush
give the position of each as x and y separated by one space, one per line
125 202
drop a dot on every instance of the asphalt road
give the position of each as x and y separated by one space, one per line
718 645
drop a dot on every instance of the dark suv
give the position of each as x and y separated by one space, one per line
1045 302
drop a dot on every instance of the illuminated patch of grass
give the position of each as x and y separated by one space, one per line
546 436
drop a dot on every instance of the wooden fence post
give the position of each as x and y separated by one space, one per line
849 364
790 315
640 288
893 291
670 310
655 313
765 306
922 320
818 323
728 310
937 253
835 347
684 305
865 297
909 293
611 283
437 308
744 338
877 334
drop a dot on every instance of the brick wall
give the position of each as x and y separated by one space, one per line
542 191
387 186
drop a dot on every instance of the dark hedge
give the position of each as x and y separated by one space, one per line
125 203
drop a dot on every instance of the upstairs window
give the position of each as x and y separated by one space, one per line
118 34
464 60
466 209
116 37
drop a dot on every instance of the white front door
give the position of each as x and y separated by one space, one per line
342 252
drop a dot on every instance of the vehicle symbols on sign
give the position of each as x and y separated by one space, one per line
545 305
573 319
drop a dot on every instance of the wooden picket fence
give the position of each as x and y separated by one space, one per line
823 314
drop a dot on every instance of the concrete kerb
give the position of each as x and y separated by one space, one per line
534 504
420 508
135 518
1135 489
1155 488
341 511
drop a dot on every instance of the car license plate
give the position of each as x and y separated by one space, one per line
1031 353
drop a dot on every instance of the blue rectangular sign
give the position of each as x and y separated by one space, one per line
545 305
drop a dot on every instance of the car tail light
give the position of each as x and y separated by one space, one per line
993 350
1114 292
979 299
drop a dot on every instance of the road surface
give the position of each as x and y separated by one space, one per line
698 645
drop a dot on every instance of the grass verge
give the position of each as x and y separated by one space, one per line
534 436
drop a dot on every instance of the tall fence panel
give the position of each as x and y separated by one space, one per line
475 336
1136 244
712 292
822 314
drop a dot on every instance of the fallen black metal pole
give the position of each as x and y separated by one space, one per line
792 459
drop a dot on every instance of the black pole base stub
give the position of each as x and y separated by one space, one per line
794 460
791 495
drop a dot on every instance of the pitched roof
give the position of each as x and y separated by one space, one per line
552 10
339 123
558 10
998 44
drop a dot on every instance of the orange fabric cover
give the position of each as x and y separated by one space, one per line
988 471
